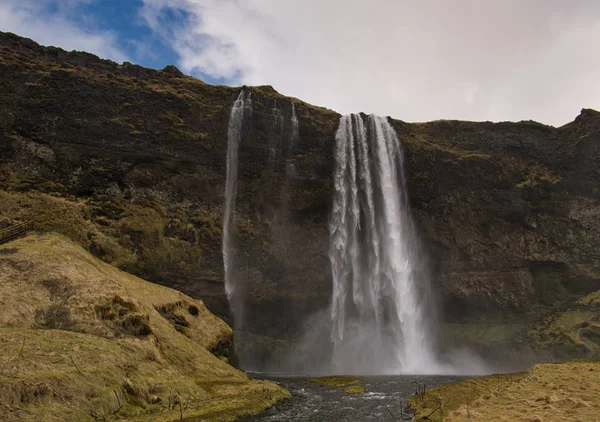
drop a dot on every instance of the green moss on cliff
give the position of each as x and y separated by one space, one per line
145 240
535 174
573 331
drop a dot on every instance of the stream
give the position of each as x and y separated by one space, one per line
381 401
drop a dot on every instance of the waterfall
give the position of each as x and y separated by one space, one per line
276 133
378 322
295 129
234 132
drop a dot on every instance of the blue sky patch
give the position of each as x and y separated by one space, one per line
122 18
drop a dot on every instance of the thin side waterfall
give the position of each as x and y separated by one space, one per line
242 105
290 169
378 323
276 132
295 129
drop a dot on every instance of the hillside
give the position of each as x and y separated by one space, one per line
549 392
82 340
130 163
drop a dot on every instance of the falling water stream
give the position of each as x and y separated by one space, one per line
234 134
276 133
295 129
378 324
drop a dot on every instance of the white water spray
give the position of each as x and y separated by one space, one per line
378 323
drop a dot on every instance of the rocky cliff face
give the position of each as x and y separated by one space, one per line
130 163
509 210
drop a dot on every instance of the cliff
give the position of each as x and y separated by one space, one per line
130 163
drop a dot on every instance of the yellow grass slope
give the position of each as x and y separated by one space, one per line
548 392
81 340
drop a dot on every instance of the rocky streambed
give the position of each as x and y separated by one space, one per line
382 400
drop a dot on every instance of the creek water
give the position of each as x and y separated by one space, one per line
381 401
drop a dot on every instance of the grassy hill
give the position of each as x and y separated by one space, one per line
549 392
82 340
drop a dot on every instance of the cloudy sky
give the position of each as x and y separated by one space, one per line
415 60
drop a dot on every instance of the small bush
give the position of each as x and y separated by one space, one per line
55 317
137 325
171 313
126 317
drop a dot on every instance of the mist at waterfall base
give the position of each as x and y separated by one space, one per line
380 320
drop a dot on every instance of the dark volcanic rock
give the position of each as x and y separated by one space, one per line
131 162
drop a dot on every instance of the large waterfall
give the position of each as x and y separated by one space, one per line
378 321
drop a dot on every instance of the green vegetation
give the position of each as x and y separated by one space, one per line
336 381
145 240
535 174
470 158
355 389
351 385
570 332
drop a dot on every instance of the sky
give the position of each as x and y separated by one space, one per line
415 60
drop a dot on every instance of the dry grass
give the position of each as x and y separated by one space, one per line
453 395
549 392
112 354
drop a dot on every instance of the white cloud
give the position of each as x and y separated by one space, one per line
32 19
414 60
